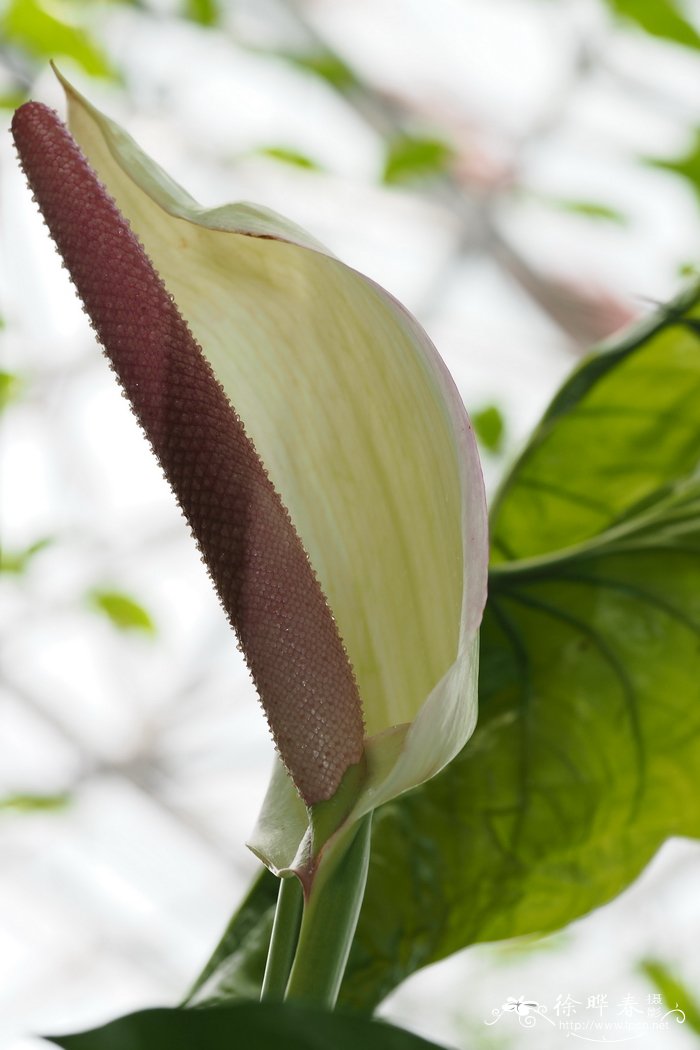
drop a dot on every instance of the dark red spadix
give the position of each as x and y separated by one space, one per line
253 553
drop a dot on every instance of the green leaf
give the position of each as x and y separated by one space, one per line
586 753
412 157
490 427
326 65
262 1026
621 428
35 803
11 386
12 99
660 18
204 12
687 165
589 209
124 613
290 156
674 992
33 26
17 562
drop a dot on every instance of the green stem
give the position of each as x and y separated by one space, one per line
283 940
330 917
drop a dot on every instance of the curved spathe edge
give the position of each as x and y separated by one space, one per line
243 218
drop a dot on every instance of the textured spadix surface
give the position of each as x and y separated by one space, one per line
361 432
255 558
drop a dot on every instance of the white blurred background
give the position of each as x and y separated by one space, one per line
487 161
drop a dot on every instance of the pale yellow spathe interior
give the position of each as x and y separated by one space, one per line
355 421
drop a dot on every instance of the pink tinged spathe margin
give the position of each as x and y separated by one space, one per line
254 555
366 439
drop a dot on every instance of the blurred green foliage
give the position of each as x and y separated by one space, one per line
410 157
22 803
124 612
326 65
290 156
17 562
489 426
12 99
660 18
11 386
673 991
687 165
36 29
589 210
205 12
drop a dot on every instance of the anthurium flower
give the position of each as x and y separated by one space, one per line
339 508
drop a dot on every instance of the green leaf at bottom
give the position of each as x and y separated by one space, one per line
250 1026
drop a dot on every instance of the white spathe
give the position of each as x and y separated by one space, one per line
363 434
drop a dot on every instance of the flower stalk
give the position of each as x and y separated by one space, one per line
283 940
330 917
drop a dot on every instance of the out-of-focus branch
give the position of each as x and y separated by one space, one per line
584 314
143 769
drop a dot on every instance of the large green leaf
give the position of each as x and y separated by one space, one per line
586 754
664 19
622 427
250 1026
585 760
